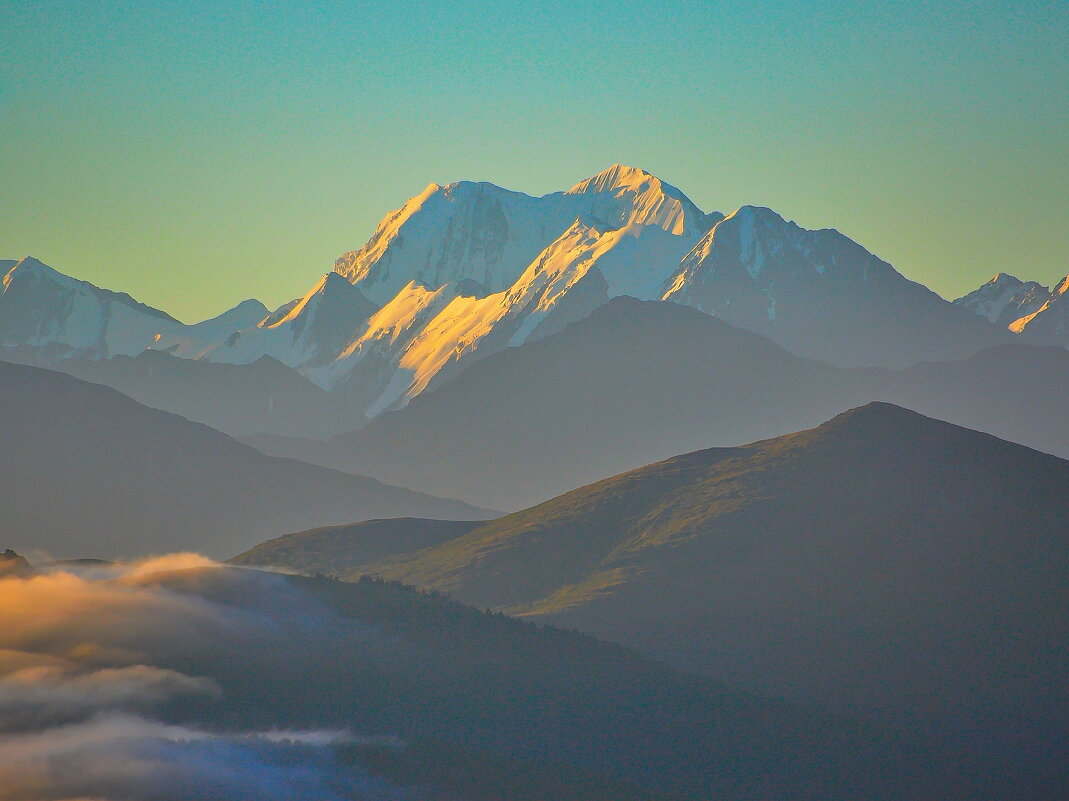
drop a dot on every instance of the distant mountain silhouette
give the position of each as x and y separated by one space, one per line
238 399
634 382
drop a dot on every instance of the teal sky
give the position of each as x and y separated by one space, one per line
195 154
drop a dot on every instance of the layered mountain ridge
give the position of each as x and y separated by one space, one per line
40 306
636 381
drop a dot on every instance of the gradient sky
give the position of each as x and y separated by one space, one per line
195 154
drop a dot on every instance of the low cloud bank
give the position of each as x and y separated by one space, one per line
123 758
85 713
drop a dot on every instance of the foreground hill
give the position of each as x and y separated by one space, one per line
369 688
345 550
883 563
88 469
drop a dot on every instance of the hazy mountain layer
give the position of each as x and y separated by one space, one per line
632 383
87 470
265 396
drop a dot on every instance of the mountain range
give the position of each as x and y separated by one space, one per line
466 270
826 508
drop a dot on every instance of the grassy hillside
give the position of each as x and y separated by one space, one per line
882 563
337 550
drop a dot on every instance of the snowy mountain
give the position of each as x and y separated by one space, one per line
39 306
1005 299
820 294
1030 309
483 233
1050 322
463 271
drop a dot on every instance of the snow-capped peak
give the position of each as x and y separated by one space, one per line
618 176
1048 321
623 195
1005 299
1004 279
41 306
1063 287
483 233
28 265
464 230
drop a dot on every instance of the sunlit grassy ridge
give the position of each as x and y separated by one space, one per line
883 562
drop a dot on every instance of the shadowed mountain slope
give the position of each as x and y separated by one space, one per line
640 381
88 469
